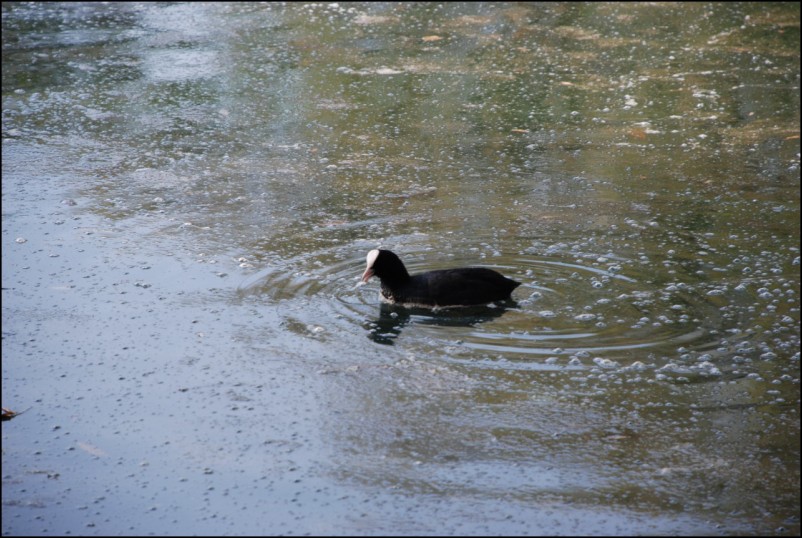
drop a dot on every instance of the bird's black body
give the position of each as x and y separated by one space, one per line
465 286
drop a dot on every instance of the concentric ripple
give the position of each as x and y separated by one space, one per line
563 308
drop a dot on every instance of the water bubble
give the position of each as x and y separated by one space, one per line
605 363
765 295
707 368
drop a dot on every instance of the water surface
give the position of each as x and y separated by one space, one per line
189 193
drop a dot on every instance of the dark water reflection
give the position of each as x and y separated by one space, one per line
189 192
392 318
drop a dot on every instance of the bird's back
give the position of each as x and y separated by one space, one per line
456 287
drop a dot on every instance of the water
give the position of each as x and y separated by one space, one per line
189 193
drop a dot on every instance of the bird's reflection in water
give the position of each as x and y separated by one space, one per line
393 318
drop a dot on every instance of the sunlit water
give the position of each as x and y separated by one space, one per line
189 193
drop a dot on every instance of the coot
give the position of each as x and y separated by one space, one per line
465 286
